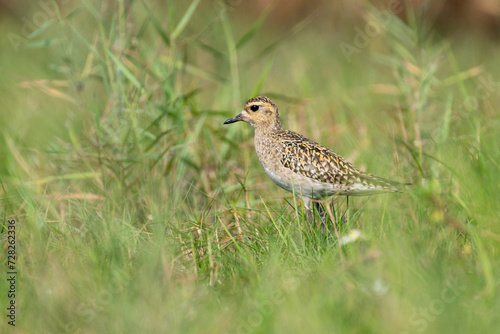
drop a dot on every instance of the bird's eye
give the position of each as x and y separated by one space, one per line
254 107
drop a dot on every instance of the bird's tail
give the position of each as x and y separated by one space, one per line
368 184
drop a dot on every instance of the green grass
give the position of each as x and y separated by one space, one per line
138 211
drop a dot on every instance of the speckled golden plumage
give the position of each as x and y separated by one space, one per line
310 159
301 165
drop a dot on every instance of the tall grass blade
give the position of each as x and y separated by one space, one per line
185 19
254 27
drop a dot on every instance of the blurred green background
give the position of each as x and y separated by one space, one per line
138 211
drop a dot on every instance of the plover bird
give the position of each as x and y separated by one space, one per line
302 166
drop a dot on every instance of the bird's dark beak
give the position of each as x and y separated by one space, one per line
234 119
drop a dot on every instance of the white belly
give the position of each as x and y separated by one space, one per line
304 186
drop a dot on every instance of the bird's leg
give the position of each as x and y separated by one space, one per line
320 210
312 205
310 217
307 206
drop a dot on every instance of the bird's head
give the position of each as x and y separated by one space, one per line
260 112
